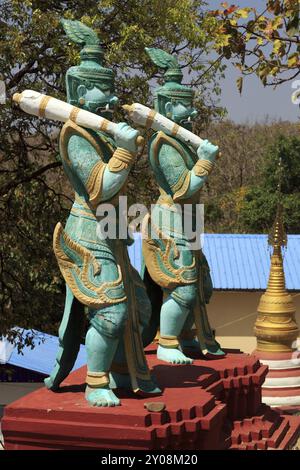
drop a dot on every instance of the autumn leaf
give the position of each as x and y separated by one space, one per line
263 72
293 60
269 29
274 70
272 39
224 40
278 47
243 12
239 84
215 12
277 22
274 6
238 66
231 9
293 25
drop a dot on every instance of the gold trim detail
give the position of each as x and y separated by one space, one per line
74 114
68 269
168 341
97 379
150 119
17 97
181 187
165 199
181 192
80 200
79 212
94 183
180 181
153 253
175 129
120 160
104 125
71 128
43 105
163 138
203 167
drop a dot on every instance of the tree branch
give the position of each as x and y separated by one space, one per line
26 179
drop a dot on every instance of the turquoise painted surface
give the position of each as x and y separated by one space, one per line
90 86
175 167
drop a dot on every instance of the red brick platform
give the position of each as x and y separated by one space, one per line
211 404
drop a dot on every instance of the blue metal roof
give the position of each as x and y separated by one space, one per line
42 357
240 262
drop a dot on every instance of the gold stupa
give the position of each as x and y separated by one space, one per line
275 327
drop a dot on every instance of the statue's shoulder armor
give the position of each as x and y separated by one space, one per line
84 155
161 143
102 144
170 161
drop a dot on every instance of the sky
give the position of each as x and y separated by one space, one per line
256 102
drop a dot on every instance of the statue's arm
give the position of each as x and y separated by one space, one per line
182 181
113 181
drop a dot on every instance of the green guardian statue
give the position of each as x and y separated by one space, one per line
182 273
99 277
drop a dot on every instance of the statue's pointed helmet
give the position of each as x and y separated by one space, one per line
172 88
90 72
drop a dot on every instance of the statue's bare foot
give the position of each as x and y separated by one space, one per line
101 397
173 356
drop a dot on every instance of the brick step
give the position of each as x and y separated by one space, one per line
292 435
253 431
279 434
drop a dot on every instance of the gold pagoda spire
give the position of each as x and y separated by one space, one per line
275 327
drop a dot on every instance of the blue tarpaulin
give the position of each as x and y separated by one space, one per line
42 357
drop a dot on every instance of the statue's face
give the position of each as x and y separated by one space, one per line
101 102
182 112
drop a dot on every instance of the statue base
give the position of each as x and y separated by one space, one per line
211 404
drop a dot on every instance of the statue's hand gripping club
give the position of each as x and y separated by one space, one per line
126 137
207 151
207 154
